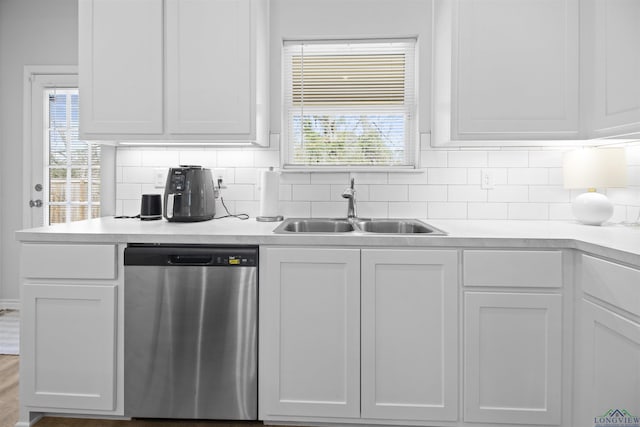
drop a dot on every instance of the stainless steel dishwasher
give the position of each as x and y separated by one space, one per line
190 330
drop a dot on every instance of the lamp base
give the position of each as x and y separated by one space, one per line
592 208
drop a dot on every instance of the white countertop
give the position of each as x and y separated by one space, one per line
614 241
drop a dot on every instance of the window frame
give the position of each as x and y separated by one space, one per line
411 126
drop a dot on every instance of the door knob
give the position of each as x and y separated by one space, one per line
35 203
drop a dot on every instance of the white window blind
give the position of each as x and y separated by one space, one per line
349 104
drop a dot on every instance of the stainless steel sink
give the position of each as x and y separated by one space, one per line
314 225
397 226
341 225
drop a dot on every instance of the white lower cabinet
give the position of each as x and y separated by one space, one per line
71 330
69 347
609 364
608 349
409 335
513 358
311 332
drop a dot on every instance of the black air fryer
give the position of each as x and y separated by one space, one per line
189 194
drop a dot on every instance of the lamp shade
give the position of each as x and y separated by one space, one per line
595 168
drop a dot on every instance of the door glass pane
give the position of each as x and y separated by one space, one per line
73 165
57 214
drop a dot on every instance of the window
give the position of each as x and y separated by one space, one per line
72 167
349 104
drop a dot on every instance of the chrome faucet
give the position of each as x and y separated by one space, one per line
350 194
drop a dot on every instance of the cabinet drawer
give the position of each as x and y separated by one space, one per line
540 269
613 283
55 261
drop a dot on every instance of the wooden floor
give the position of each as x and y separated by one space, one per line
9 408
8 390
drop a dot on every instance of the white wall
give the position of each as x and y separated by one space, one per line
32 32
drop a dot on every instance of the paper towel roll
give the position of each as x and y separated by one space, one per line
269 193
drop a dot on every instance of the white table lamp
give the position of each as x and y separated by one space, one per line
592 168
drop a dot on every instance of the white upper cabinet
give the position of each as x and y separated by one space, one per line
175 70
517 70
535 72
614 61
120 73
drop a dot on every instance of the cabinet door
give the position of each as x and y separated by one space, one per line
69 346
513 358
120 66
515 70
209 66
616 66
310 332
409 334
608 363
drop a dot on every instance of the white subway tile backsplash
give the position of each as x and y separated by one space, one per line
388 193
487 210
138 175
560 212
447 176
295 178
127 191
408 210
546 158
239 192
160 158
331 178
371 209
556 176
509 193
247 176
447 210
508 159
467 159
528 184
434 158
370 177
549 194
528 176
235 158
528 211
328 209
128 157
205 158
429 193
295 209
311 192
467 193
408 178
266 158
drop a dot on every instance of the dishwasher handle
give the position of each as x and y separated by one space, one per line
190 259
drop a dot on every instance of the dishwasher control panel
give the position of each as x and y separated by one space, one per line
194 255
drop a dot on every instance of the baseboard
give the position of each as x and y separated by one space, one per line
9 304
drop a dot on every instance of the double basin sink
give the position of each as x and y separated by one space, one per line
342 225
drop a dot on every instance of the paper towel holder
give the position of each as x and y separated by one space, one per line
263 218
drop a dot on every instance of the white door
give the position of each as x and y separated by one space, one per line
309 332
61 173
410 334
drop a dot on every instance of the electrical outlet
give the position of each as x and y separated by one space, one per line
159 177
220 177
486 180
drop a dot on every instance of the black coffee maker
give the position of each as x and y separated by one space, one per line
189 194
